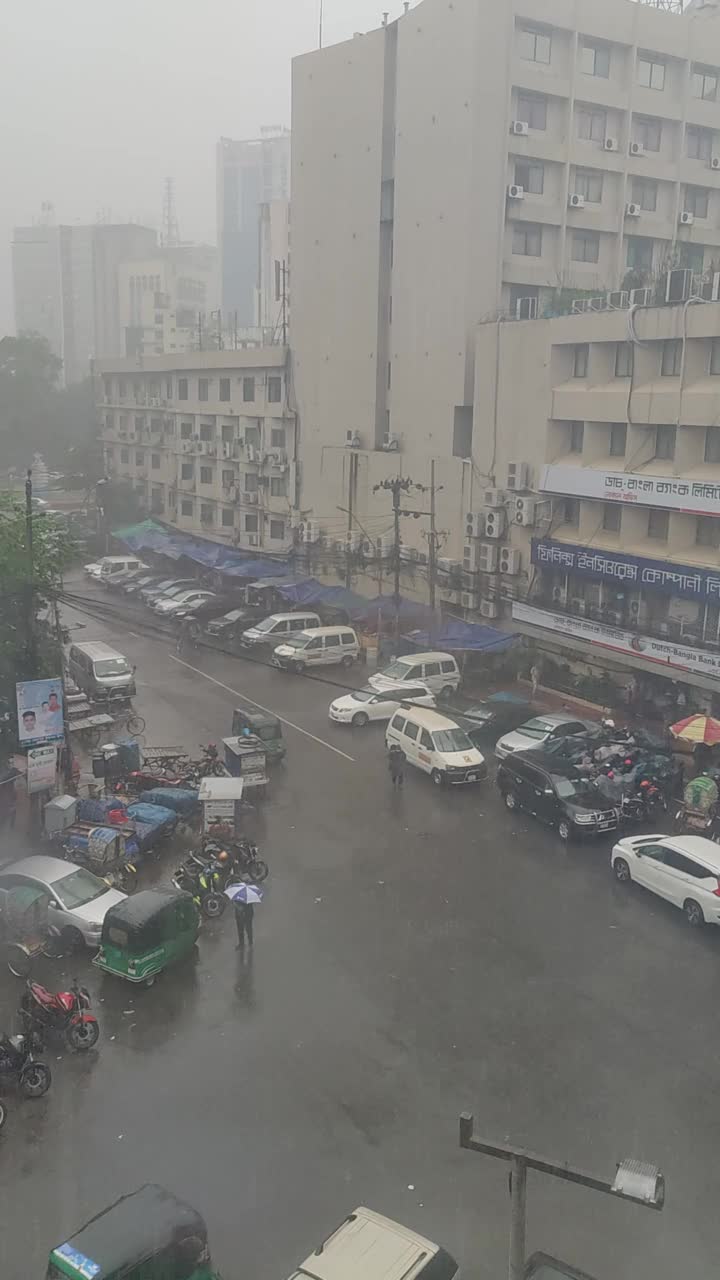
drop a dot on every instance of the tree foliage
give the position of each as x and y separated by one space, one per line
37 415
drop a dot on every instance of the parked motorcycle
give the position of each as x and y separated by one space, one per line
62 1012
645 804
18 1063
242 861
205 883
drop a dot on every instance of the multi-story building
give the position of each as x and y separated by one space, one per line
166 301
66 286
207 440
273 291
249 174
480 163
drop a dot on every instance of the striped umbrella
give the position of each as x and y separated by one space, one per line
248 893
697 728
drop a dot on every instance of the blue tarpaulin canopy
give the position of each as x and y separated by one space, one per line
454 635
151 536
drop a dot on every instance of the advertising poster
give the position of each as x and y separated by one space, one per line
41 768
40 711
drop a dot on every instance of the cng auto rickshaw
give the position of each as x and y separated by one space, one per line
264 726
147 1235
144 934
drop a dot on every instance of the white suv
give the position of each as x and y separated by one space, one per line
683 869
362 705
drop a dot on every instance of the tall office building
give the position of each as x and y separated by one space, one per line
169 302
250 174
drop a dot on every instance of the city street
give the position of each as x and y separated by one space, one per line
417 954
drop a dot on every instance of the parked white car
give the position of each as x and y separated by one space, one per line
541 729
683 869
439 671
77 899
93 570
362 705
186 599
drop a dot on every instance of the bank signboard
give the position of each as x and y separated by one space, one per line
629 572
696 497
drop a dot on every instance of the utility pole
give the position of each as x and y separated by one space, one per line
397 486
67 753
200 332
281 275
432 540
352 480
31 638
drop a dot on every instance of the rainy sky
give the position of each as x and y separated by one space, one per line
101 99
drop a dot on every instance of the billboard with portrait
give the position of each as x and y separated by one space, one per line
40 711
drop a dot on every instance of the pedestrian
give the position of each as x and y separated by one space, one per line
244 912
396 764
534 679
184 634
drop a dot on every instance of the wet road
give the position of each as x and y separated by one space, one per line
416 954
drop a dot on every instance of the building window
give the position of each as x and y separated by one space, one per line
658 522
122 389
206 431
671 357
650 73
206 475
585 246
532 108
228 478
644 193
595 60
139 423
570 511
580 360
248 389
155 461
251 524
139 458
202 388
168 388
252 437
692 256
618 440
590 124
623 359
109 421
698 143
695 201
186 430
207 513
227 433
278 487
704 83
715 356
527 239
187 471
665 442
250 482
124 455
534 46
228 517
588 183
277 529
712 444
224 388
182 388
274 388
648 132
277 438
707 532
612 517
186 507
640 253
530 176
577 437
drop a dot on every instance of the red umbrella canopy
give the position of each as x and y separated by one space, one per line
697 728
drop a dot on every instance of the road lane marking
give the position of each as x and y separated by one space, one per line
268 710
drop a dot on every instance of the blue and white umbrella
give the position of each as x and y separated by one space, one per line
248 893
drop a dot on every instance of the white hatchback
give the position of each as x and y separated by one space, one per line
683 869
362 705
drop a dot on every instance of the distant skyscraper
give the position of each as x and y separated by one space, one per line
249 175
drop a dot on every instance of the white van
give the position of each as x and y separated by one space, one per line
435 744
277 626
320 647
368 1246
439 671
113 566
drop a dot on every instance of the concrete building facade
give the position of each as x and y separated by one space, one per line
207 440
249 174
166 301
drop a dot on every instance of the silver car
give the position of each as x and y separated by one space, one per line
78 899
541 729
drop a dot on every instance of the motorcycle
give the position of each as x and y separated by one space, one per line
18 1061
210 765
63 1012
243 861
645 804
205 883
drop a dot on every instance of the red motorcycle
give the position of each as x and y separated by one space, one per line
63 1012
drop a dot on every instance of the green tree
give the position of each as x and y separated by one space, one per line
36 413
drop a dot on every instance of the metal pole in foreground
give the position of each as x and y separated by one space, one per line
518 1200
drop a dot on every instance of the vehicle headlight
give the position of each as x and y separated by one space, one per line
583 818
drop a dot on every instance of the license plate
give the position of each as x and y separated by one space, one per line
604 826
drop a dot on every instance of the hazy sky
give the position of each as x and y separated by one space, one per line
101 99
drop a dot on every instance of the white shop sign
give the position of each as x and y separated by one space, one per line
695 496
661 653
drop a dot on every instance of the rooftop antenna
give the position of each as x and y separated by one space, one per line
170 235
385 17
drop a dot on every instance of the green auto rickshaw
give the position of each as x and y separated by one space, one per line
147 1235
144 934
264 726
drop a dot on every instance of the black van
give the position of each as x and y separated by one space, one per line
539 784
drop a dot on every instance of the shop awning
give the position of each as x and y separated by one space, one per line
148 535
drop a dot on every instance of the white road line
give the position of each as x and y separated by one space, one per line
260 707
135 634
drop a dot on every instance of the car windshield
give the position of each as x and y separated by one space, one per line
112 667
570 789
363 695
537 728
266 625
235 616
78 888
298 641
451 740
396 670
480 712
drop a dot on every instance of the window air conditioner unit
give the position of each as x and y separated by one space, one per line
494 497
469 599
632 210
611 144
576 202
226 449
487 558
617 299
520 128
391 442
526 309
449 595
710 289
597 304
515 192
384 546
686 218
253 540
637 149
353 440
446 565
510 559
578 306
517 475
715 162
678 285
525 512
494 524
310 531
249 496
488 609
473 524
640 297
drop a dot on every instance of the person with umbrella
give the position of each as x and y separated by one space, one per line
243 898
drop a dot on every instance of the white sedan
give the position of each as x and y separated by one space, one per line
185 599
363 705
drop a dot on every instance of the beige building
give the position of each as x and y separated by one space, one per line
250 173
274 269
207 440
166 301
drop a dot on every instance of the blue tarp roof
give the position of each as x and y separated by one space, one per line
456 635
150 536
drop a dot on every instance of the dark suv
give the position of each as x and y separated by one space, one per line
539 784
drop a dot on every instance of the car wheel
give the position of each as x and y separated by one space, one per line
298 668
347 660
72 940
446 691
359 719
693 913
510 800
621 870
564 830
437 778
